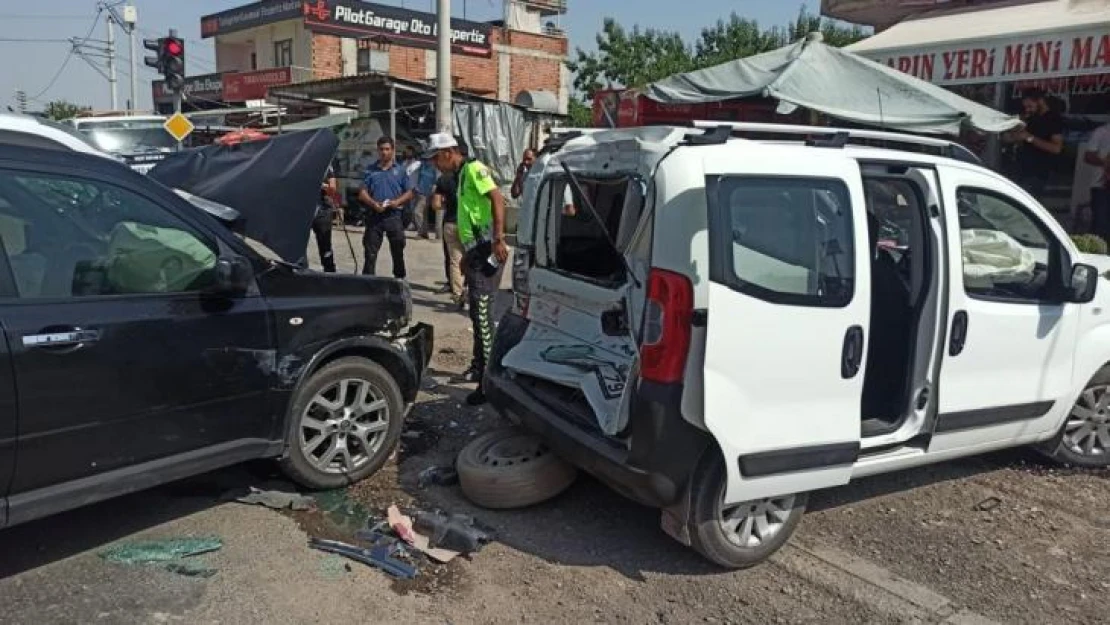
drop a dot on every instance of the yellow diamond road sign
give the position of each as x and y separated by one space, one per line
178 126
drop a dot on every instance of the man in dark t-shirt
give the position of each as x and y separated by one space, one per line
446 199
321 223
1042 142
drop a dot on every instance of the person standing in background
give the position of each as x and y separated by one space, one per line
385 190
425 185
416 209
1041 142
446 203
481 223
1097 157
322 222
522 170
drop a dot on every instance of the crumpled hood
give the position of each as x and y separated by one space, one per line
274 184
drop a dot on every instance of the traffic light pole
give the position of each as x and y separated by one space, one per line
177 95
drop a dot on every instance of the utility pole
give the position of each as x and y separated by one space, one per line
21 100
443 67
112 60
130 19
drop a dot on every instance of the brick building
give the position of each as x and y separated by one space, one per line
272 43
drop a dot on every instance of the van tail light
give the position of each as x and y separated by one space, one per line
667 326
521 264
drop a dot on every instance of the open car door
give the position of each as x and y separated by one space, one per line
789 305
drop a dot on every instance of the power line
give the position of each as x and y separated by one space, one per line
31 40
69 55
18 16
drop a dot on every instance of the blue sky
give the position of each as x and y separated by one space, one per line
31 65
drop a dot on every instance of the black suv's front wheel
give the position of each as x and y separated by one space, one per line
345 423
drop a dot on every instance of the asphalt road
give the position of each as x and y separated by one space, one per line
1002 539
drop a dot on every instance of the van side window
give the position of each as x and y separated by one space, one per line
785 240
1007 255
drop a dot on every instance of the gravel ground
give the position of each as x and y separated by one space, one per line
1002 538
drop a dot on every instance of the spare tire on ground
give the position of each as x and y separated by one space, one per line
511 469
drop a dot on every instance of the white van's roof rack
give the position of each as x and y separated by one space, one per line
839 137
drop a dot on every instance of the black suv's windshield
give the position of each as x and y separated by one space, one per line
129 137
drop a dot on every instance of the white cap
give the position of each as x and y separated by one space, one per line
440 141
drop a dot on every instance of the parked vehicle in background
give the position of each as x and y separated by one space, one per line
144 342
140 139
720 325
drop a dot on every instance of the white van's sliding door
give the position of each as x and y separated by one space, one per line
788 317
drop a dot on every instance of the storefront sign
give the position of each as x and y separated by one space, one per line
250 16
245 86
349 18
1081 53
205 87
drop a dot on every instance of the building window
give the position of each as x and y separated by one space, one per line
254 61
283 53
376 61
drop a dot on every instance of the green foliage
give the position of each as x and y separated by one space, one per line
62 109
634 58
1089 243
580 115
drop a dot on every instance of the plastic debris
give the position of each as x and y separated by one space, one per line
402 527
142 552
438 476
379 556
277 500
191 569
454 533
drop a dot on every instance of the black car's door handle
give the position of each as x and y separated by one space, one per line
56 339
959 333
852 355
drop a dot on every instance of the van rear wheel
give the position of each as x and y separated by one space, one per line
738 536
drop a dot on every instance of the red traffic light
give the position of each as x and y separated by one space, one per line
174 47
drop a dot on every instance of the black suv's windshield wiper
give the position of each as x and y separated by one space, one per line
600 223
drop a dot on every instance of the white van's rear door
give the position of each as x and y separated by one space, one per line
789 304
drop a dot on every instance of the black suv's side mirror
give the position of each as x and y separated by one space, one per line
233 275
1082 284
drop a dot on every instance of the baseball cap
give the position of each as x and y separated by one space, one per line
439 141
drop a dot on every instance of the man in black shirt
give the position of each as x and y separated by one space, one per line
321 224
1042 142
446 199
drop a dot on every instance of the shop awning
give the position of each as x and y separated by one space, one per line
837 83
968 45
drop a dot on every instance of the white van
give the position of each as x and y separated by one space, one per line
720 325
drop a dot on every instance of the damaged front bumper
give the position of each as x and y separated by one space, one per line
418 345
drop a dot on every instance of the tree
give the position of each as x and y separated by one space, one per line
580 114
638 57
63 109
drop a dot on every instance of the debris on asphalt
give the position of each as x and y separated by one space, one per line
277 500
166 550
379 556
438 476
191 569
454 533
341 511
988 504
402 526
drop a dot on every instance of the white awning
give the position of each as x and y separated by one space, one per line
1051 39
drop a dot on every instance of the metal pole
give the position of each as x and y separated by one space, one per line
176 95
443 67
393 111
134 74
112 61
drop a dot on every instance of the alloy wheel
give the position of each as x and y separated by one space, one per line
1087 431
344 425
754 523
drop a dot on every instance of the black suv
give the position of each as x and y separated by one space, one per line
143 342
